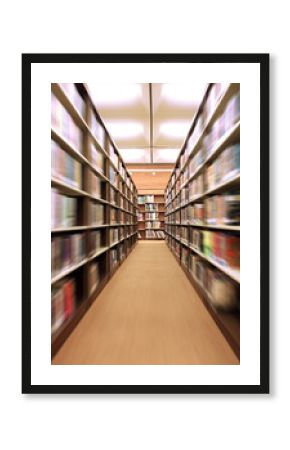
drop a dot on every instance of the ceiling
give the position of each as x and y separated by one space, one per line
148 122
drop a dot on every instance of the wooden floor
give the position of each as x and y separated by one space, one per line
148 313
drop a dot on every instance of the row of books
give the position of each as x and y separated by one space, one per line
151 216
64 124
113 155
221 292
222 247
63 210
215 93
97 130
64 167
97 213
224 121
96 238
97 158
153 224
114 196
114 218
153 234
152 207
126 205
192 214
66 251
225 167
63 302
114 235
74 96
97 186
142 199
223 209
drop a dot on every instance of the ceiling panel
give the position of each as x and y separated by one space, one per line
165 155
135 155
125 110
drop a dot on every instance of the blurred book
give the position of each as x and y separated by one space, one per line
64 167
63 301
63 210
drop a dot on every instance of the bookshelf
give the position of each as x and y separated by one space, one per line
202 201
151 212
93 207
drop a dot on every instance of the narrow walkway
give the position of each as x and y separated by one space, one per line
148 313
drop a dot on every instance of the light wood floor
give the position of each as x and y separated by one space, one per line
148 313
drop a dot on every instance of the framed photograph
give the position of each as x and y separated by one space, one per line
145 225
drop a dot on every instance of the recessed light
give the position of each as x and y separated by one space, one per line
175 129
124 129
135 155
114 94
168 155
187 94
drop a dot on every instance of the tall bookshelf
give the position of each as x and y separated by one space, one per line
202 218
151 212
94 207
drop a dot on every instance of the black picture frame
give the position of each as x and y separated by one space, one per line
263 61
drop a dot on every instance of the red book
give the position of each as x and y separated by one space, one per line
232 251
69 298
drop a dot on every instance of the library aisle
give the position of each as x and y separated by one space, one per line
148 313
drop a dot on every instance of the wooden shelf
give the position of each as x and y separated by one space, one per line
67 189
67 271
142 206
97 253
69 229
85 197
151 220
175 188
210 227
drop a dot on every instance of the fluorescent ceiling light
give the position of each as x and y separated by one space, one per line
165 155
184 94
124 129
114 94
135 155
175 129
